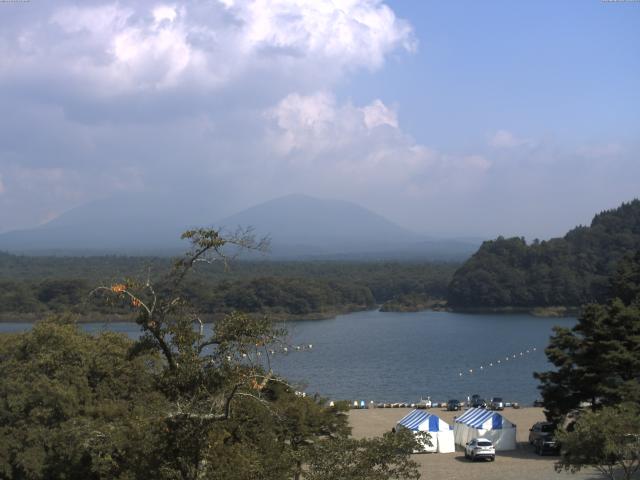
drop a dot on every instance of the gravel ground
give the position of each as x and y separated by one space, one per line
520 464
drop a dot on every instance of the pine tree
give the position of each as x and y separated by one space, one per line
598 360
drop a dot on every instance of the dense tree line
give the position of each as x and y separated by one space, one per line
176 403
568 271
41 285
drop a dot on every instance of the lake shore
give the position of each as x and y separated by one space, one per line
98 317
521 463
547 312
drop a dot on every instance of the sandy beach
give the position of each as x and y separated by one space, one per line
521 464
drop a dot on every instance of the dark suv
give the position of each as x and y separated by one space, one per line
478 402
546 444
453 405
540 430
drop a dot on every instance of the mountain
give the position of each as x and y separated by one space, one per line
299 226
568 271
300 223
129 223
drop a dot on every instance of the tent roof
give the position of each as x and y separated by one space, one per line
477 417
415 418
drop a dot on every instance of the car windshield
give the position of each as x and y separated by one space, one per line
484 443
497 399
546 428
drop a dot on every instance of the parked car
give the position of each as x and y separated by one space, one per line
539 430
453 405
546 444
496 403
480 448
478 402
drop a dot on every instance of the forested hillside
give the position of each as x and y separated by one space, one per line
36 286
567 271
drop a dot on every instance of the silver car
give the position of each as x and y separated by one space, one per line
480 448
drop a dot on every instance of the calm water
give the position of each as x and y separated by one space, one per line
396 357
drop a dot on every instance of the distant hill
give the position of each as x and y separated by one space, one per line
133 223
567 271
300 226
308 226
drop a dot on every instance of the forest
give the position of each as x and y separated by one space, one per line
31 287
568 271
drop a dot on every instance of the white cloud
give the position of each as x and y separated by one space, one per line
353 33
350 150
121 49
164 12
506 139
377 113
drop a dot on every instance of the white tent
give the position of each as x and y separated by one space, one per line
478 422
441 432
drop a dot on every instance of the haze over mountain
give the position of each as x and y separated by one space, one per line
298 225
129 223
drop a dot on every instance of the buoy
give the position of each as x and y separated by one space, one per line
460 374
310 345
491 364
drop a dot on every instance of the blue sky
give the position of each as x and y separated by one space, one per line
450 118
567 69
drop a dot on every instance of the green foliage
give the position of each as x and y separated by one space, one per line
608 440
568 271
75 406
175 404
45 285
382 458
598 360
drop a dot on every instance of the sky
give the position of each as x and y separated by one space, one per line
460 118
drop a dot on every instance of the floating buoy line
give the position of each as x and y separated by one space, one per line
273 351
289 349
499 362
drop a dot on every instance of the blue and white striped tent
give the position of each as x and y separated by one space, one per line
441 432
478 422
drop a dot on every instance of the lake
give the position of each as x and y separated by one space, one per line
401 357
